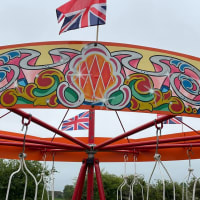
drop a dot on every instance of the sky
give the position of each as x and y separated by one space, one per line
171 25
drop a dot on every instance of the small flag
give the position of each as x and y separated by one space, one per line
175 120
79 122
81 13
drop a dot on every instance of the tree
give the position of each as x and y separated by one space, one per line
191 186
68 192
7 167
111 182
156 190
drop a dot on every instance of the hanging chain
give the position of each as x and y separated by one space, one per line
189 152
158 132
125 161
135 160
25 124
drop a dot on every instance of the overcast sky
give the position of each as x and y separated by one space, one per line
171 25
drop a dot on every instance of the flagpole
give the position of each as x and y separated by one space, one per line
97 33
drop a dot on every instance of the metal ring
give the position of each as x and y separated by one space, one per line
29 120
156 125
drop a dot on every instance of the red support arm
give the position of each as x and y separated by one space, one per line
90 182
49 127
34 146
99 180
131 132
36 141
138 144
164 146
80 182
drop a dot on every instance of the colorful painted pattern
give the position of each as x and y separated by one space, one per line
101 76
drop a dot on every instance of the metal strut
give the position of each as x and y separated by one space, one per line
89 165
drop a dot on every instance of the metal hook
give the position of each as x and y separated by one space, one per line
44 156
158 129
26 124
189 152
125 161
156 125
157 137
135 160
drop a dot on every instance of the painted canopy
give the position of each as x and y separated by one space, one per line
99 75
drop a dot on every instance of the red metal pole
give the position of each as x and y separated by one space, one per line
49 127
27 145
131 132
136 144
91 127
187 125
99 180
90 160
60 150
90 182
164 146
80 182
37 141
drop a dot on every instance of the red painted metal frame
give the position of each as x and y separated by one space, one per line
90 182
167 146
33 146
89 168
91 163
137 144
99 180
90 175
49 127
42 142
80 182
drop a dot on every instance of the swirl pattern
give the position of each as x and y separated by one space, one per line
98 76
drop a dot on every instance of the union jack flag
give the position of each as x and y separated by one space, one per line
79 122
175 120
81 13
